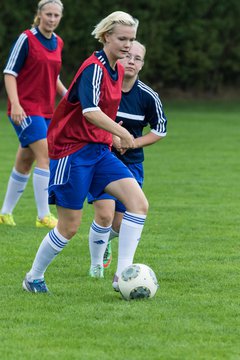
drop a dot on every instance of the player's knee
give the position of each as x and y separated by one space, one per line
144 205
42 163
139 206
68 230
24 170
104 219
24 166
70 233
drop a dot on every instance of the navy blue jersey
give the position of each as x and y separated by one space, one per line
19 51
139 108
87 88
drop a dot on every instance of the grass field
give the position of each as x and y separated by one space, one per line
191 240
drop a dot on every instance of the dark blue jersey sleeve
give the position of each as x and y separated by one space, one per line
89 88
20 48
17 56
140 107
154 113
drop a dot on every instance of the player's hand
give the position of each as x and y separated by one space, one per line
127 141
116 142
117 145
17 114
122 151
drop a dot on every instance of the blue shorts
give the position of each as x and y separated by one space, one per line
90 169
32 128
138 173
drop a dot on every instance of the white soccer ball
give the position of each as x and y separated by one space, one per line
137 281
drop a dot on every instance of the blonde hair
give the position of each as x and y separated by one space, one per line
142 46
41 4
107 24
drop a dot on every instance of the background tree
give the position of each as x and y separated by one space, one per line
193 46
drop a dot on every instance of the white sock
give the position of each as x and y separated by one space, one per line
51 246
16 184
98 239
40 187
129 236
113 234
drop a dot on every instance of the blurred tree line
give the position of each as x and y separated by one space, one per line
192 45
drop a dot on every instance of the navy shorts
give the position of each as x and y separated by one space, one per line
138 173
89 170
31 129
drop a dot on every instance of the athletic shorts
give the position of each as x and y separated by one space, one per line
138 173
32 128
90 169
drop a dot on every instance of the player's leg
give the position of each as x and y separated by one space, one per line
17 183
114 232
131 195
37 134
138 173
68 188
40 184
113 177
117 220
52 244
104 210
99 234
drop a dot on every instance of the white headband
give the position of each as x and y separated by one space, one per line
50 1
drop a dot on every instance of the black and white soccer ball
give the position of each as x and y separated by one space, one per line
138 281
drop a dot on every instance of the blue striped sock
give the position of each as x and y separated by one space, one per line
51 246
98 239
129 237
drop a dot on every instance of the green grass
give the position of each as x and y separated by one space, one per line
191 240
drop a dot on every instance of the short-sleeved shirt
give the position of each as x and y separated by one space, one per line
140 107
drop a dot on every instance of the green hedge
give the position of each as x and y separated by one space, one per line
191 45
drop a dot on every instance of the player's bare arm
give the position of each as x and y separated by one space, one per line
17 112
146 140
61 89
102 121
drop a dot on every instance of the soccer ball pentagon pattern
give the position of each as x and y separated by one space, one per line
137 281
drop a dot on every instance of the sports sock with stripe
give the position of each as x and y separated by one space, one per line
40 186
16 185
98 239
52 245
129 237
